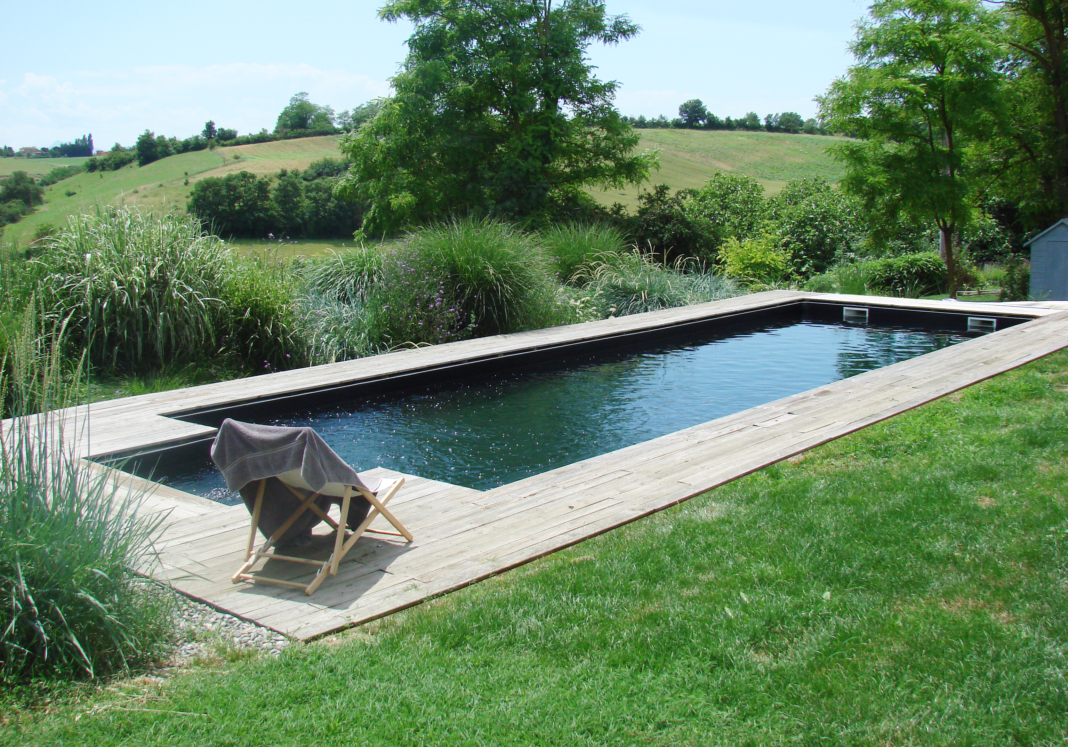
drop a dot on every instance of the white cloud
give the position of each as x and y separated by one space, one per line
117 105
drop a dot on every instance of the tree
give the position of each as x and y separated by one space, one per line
210 131
1030 155
287 199
82 146
302 114
234 205
148 148
733 204
922 88
791 122
351 120
496 109
814 223
693 113
750 121
21 187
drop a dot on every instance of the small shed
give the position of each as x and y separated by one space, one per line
1049 263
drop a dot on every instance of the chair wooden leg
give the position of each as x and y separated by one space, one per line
339 540
341 544
380 504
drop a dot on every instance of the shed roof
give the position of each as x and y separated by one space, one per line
1063 221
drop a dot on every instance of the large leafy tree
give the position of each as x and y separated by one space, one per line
1030 152
301 114
922 89
495 109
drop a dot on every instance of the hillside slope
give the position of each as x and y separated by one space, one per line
687 159
161 186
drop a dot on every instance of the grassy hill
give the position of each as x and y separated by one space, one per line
161 186
687 159
35 166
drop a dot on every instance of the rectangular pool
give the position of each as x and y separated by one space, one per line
489 423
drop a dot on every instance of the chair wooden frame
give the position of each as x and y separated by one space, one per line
342 545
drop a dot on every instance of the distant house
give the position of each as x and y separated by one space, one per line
102 153
29 151
1049 263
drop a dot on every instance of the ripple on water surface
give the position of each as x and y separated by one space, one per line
492 430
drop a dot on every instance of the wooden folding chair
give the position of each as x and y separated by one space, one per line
309 502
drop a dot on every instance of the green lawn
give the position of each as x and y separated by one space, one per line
902 585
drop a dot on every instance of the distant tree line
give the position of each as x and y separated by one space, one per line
80 148
693 115
290 204
300 118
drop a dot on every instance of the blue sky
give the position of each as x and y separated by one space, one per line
117 68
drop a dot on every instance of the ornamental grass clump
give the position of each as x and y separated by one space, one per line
497 277
139 291
571 246
633 282
347 276
334 330
71 604
257 324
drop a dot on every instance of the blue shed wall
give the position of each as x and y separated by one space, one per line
1049 265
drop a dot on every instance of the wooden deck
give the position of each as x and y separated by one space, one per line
463 535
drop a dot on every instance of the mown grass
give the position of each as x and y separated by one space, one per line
688 158
903 585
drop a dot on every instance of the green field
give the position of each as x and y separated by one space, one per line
161 186
687 159
35 166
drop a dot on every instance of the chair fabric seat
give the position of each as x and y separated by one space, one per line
246 453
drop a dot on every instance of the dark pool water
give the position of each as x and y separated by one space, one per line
496 429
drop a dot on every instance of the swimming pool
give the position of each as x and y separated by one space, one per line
489 424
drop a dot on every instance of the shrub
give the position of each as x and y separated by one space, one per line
418 301
665 227
572 245
11 212
986 240
851 278
72 604
910 275
138 291
815 223
757 261
1016 282
257 322
633 282
60 173
20 187
732 204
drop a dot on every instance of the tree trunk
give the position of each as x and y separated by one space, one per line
949 256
